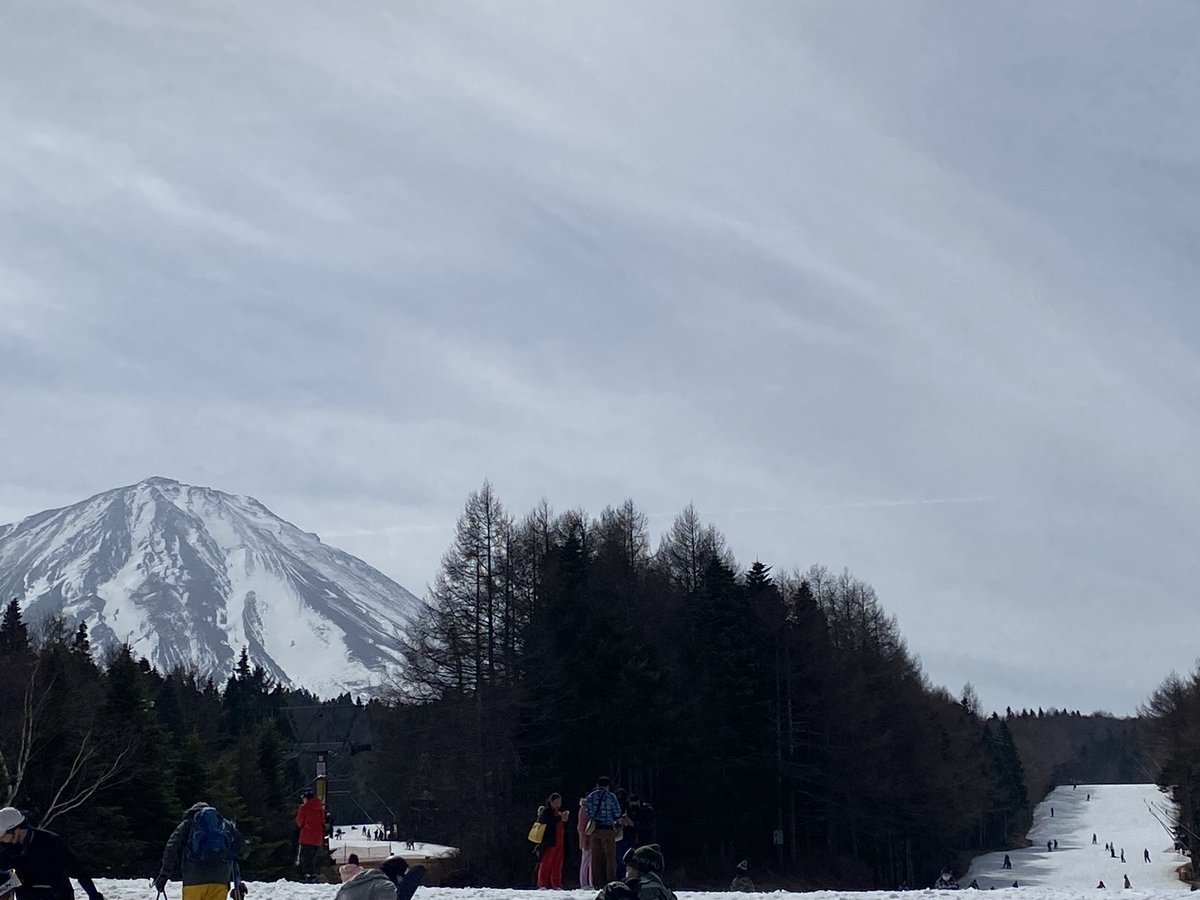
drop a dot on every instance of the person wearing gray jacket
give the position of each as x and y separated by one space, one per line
393 880
369 884
203 878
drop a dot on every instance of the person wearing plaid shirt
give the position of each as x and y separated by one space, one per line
604 811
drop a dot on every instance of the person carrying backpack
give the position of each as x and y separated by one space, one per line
204 850
604 815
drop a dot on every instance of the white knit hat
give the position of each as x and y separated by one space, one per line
10 818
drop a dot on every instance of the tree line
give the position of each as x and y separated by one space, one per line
109 754
770 715
775 717
1172 721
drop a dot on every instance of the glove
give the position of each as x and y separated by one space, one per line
160 883
237 892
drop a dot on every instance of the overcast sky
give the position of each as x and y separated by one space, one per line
910 288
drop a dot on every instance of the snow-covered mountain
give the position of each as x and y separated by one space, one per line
190 575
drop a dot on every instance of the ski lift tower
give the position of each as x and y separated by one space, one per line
328 733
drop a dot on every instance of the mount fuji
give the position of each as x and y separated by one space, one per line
190 575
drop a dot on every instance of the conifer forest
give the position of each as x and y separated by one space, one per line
768 714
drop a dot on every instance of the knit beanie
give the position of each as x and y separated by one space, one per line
647 858
743 867
394 867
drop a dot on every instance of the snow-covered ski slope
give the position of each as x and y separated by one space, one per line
1119 814
1116 813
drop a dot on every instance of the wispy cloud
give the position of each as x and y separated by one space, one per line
905 290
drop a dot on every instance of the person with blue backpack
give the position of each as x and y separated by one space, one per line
204 850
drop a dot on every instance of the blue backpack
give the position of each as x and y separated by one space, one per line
212 837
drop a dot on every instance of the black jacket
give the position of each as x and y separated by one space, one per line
645 824
551 819
45 865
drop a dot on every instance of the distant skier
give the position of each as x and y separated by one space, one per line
1049 846
1122 854
1052 812
1112 850
1127 884
1015 884
974 885
1056 843
1100 885
1007 862
1146 855
1093 837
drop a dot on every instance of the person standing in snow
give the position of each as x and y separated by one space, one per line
554 843
1007 862
310 819
1093 837
585 845
1146 855
205 877
625 837
1122 854
645 821
41 860
1100 885
605 813
1127 884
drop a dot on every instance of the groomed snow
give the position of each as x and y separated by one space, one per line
1115 812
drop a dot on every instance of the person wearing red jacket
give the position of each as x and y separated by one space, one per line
310 820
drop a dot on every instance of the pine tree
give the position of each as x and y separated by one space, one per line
14 635
81 644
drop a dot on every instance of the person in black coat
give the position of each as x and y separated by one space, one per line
41 859
645 821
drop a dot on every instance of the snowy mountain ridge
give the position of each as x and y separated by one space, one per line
190 575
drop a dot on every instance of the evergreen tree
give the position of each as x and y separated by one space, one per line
14 635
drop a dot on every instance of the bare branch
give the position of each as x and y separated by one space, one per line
87 751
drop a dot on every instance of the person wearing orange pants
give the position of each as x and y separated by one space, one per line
554 840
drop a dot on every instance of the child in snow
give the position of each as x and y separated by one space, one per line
350 868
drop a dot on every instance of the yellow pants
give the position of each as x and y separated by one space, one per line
205 891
